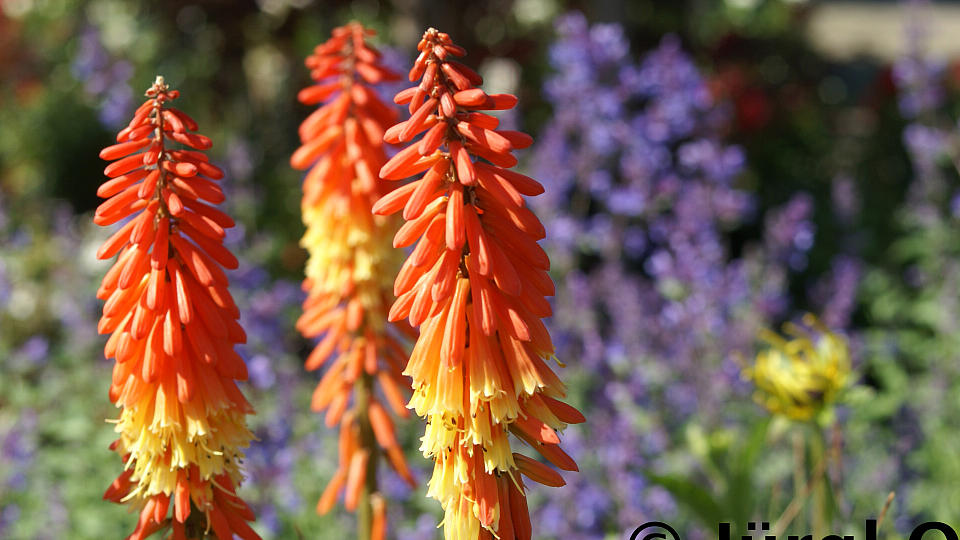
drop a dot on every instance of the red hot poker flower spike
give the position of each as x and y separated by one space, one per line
173 326
348 275
475 283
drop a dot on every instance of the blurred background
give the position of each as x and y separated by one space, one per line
713 168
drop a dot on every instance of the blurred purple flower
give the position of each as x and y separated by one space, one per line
424 527
17 448
917 77
104 78
954 211
33 351
836 293
789 232
6 287
650 303
268 308
845 198
239 161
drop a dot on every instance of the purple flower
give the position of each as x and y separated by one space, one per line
789 232
34 350
836 293
917 77
268 308
845 198
17 448
104 78
954 211
651 307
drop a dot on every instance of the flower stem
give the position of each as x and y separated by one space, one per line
362 392
818 456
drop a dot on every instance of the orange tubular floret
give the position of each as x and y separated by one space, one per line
173 327
475 283
351 260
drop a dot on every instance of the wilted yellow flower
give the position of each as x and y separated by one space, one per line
799 377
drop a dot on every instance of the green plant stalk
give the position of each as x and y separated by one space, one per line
800 477
819 509
363 389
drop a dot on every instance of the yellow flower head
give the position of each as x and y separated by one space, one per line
800 377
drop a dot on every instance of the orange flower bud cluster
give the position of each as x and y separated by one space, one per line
348 274
475 283
173 326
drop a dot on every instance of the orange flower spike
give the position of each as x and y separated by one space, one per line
476 284
170 316
350 262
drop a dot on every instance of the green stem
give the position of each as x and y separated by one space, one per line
362 392
820 499
800 478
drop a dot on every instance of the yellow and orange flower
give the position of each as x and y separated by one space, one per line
173 326
475 283
349 267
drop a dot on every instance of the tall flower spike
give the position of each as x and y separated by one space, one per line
476 284
348 272
173 326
